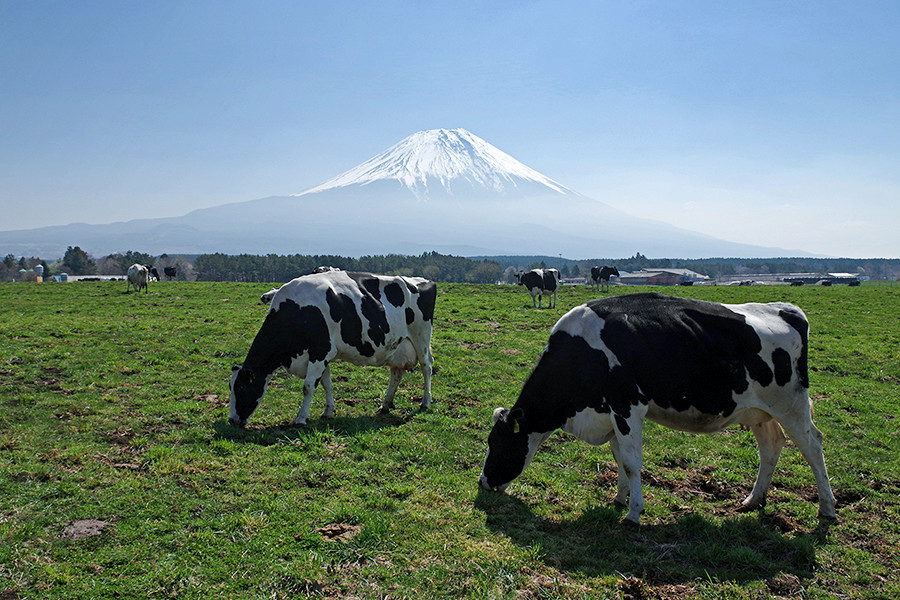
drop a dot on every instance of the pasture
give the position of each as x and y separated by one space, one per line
113 422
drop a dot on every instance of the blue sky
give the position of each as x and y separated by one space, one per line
773 123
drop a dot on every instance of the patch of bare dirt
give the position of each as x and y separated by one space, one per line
80 530
214 399
785 585
339 532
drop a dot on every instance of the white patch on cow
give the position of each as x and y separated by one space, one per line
583 322
590 426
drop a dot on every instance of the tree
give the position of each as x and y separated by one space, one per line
77 262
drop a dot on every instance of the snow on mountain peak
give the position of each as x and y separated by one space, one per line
443 158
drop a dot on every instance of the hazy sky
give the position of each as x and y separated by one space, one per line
773 123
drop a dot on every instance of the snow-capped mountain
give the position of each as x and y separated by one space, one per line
445 161
445 190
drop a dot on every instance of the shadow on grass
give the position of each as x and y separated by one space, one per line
342 426
745 547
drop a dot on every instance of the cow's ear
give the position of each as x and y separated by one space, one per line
500 414
514 417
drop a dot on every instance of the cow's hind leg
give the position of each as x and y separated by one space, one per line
629 433
329 398
622 479
388 402
770 440
809 440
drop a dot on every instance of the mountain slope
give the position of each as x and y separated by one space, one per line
443 190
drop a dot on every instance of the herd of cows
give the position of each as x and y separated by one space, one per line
609 365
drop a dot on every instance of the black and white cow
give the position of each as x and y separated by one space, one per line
152 272
137 277
540 283
686 364
316 319
600 277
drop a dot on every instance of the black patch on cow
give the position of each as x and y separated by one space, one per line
622 425
427 299
801 326
683 353
286 333
759 370
343 310
506 458
569 377
394 294
782 361
368 284
532 280
679 353
410 315
549 281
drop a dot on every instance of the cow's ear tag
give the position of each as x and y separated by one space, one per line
515 425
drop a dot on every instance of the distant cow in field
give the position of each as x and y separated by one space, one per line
316 319
169 272
540 283
152 273
686 364
138 277
600 277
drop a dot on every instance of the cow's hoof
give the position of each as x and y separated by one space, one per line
382 412
327 416
631 524
828 518
747 506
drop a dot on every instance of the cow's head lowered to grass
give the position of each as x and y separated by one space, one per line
247 390
510 449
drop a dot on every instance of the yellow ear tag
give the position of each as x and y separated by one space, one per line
515 426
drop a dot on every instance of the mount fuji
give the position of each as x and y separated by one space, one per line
445 190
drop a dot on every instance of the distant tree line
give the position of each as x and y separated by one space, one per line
279 268
434 266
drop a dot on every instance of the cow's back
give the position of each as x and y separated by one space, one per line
678 354
367 316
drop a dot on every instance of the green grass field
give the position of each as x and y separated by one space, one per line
113 408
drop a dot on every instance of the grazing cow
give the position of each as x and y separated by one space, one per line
686 364
138 277
540 283
600 277
359 318
169 272
152 273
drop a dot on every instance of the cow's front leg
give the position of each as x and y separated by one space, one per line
314 373
329 399
770 440
388 403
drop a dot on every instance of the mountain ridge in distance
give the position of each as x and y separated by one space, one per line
445 190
